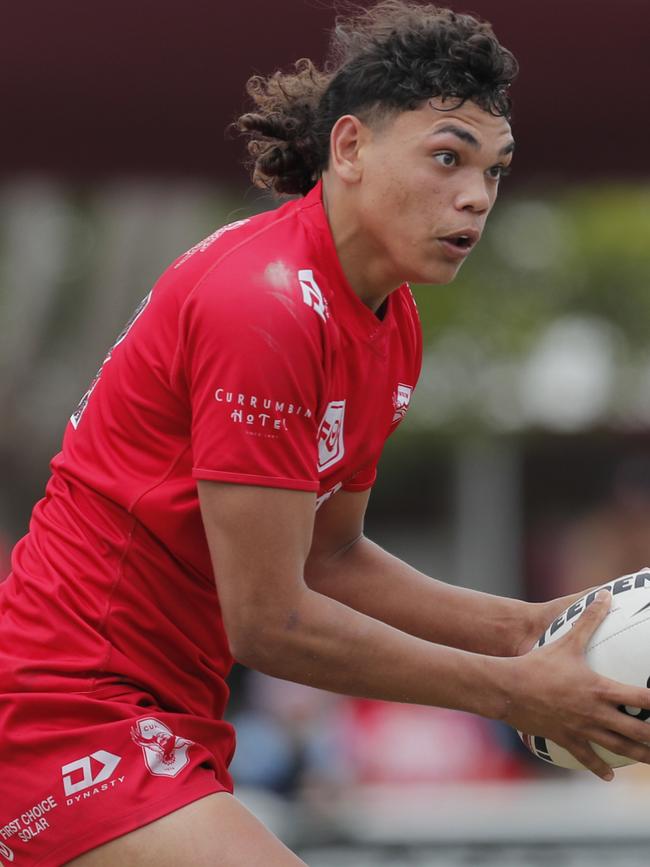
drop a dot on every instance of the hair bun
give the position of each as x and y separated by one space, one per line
286 167
285 152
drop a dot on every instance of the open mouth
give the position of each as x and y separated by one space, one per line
460 245
463 242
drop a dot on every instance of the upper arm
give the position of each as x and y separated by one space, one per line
252 361
259 540
338 525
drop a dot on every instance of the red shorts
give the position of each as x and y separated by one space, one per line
78 771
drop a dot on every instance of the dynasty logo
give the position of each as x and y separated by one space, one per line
89 772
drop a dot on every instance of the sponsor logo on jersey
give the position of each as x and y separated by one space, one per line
330 435
95 768
312 294
203 245
267 416
165 754
401 400
27 826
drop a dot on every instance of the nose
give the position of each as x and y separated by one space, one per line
475 194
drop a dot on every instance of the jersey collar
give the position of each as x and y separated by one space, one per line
360 317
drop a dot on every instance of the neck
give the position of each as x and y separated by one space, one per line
364 266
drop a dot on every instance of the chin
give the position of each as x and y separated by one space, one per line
438 275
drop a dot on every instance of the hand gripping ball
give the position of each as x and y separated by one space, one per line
619 649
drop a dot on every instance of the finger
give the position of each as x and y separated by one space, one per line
622 746
623 695
573 597
591 618
585 754
627 726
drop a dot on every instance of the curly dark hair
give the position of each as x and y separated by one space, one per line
389 58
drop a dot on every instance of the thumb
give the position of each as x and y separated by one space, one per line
591 618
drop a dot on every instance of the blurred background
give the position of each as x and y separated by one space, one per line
523 467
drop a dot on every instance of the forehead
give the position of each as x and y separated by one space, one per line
436 114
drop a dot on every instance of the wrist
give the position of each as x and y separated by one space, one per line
533 620
494 697
519 627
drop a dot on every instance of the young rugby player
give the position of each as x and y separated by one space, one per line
231 436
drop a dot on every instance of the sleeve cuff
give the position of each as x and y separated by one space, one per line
361 486
246 479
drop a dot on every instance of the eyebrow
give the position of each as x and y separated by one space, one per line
467 137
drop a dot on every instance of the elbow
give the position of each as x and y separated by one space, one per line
258 644
251 651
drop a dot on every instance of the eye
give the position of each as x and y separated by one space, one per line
499 171
446 159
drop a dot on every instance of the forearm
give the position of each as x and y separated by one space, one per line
325 644
372 581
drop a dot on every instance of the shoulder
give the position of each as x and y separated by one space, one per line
249 249
253 271
272 292
257 300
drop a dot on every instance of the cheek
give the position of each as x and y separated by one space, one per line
403 207
384 211
384 187
405 204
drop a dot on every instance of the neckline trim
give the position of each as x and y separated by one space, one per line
367 323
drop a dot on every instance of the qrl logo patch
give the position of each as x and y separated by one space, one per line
330 435
165 755
105 764
401 400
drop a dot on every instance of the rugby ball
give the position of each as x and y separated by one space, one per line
619 649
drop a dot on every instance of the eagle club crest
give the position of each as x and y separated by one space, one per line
401 400
165 755
330 435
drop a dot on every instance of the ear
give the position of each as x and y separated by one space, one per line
347 140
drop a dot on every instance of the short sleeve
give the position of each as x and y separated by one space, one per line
253 365
362 480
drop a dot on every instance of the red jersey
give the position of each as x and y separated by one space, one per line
251 361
